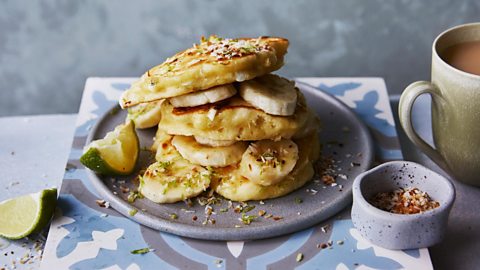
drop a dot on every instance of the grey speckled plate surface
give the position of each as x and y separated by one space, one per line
343 136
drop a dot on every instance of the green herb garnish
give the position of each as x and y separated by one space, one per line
133 195
247 219
141 251
132 212
248 208
164 164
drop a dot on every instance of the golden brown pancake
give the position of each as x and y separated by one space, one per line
213 62
232 119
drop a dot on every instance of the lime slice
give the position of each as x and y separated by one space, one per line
26 214
116 154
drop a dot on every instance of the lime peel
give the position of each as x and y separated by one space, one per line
116 154
26 214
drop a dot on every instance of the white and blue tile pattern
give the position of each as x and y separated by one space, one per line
84 236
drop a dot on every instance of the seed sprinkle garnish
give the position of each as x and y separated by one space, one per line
248 208
124 189
247 219
299 257
141 251
103 203
133 212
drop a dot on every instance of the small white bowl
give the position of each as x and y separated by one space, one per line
401 231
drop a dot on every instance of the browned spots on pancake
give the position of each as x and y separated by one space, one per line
228 104
226 170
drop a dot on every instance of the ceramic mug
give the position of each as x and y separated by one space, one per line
455 98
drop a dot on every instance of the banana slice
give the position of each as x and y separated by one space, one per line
213 143
174 180
267 162
270 93
208 156
228 182
211 95
145 115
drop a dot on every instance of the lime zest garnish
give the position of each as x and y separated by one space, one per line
141 251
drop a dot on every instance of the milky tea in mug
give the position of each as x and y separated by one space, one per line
463 56
455 92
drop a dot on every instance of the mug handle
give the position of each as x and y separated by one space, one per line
407 99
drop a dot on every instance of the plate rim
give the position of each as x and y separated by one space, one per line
245 232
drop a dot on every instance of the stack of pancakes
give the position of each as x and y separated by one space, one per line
224 123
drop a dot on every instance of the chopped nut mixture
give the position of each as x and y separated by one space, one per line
103 203
328 179
404 201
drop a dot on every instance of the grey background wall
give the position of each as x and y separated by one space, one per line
48 48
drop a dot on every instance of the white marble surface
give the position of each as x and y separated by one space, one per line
41 145
33 152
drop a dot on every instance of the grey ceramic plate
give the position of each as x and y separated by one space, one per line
343 136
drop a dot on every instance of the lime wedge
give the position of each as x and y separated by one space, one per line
116 154
26 214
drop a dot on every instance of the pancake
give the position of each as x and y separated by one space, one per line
232 119
145 115
231 185
311 124
228 182
172 178
215 61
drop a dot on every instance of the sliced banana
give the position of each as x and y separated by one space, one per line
211 95
205 155
145 115
214 143
267 162
230 184
174 180
270 93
